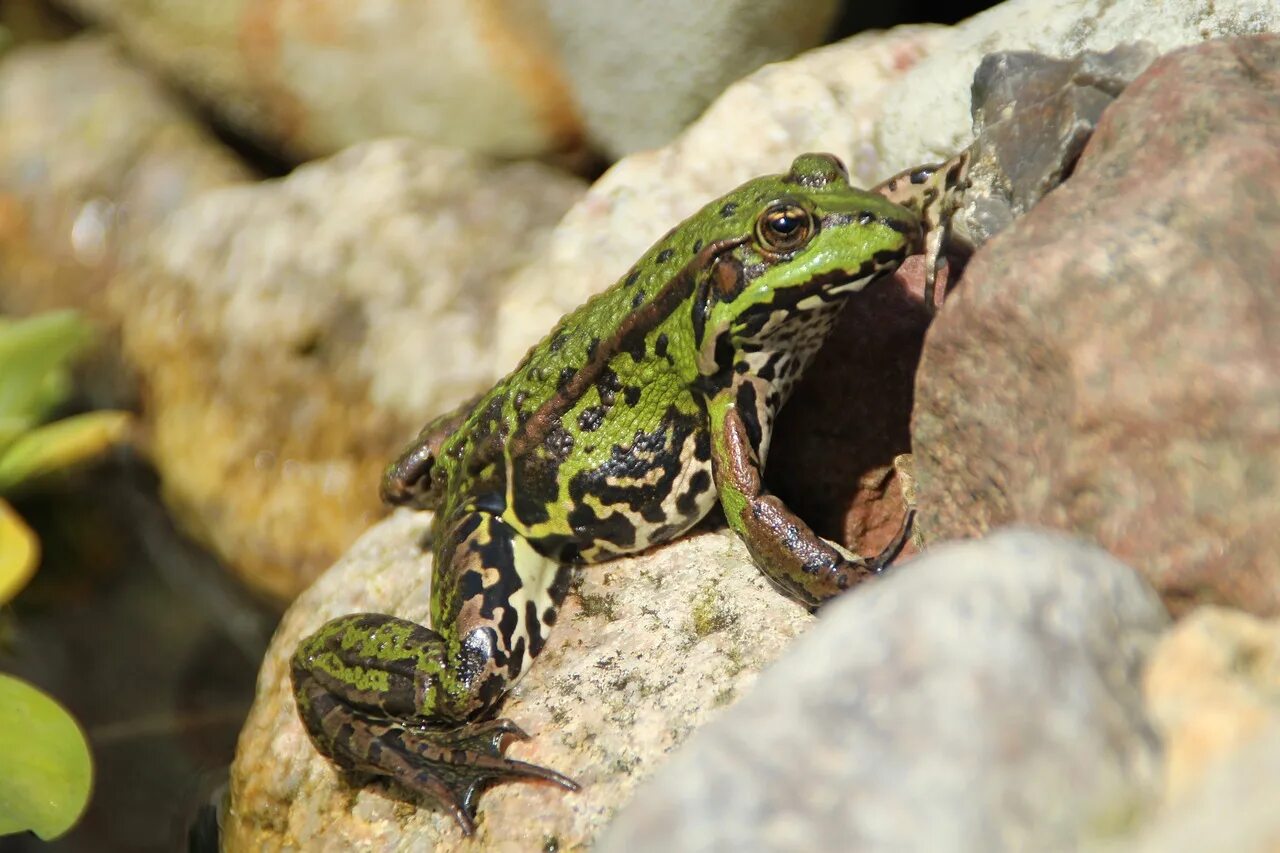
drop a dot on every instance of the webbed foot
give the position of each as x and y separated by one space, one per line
452 767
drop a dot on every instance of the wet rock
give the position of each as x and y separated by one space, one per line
645 649
293 335
1105 367
982 697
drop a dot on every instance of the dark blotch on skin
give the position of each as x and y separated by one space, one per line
631 395
637 300
660 345
633 278
558 341
698 483
697 247
536 640
919 176
665 255
729 209
565 377
591 419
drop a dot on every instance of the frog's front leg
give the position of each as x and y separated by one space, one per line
798 561
390 697
933 193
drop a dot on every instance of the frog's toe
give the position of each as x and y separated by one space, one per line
453 766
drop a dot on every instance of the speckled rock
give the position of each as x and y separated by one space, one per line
645 650
1106 366
93 154
293 335
981 697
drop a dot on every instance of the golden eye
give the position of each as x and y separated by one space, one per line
784 227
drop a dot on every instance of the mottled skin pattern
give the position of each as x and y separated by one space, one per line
639 413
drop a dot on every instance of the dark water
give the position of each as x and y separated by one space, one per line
144 638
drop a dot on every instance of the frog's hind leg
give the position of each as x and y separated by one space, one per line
391 697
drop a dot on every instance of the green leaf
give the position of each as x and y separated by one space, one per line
34 355
59 445
19 552
46 770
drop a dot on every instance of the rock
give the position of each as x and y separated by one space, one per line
513 79
1032 116
926 114
314 78
293 335
1213 693
1106 368
93 154
644 650
641 72
1213 687
1234 809
981 697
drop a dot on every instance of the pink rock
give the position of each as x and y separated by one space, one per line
1109 363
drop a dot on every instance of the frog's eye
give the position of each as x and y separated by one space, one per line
784 227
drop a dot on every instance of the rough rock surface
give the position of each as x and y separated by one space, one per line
93 154
981 697
1107 366
645 650
293 335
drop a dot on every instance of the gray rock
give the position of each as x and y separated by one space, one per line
1032 116
982 697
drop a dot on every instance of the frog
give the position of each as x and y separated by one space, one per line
637 415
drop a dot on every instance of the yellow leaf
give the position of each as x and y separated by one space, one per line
19 552
59 445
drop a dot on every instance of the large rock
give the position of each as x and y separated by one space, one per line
644 650
293 335
1107 365
517 78
981 697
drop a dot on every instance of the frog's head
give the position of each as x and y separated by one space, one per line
794 246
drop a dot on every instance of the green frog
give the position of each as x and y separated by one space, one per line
640 412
